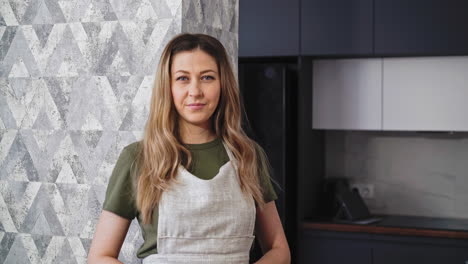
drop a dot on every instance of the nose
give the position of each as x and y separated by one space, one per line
195 89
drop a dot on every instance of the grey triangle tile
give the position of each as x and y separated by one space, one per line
67 53
5 245
19 55
233 24
207 11
121 45
43 32
21 88
149 27
42 14
43 122
98 192
30 14
127 122
18 197
193 10
94 205
125 10
60 91
91 138
14 156
75 199
91 13
42 204
107 10
41 145
125 87
55 11
41 227
72 11
6 115
2 22
161 8
92 29
17 253
42 242
65 255
72 160
29 167
22 10
116 82
7 39
86 243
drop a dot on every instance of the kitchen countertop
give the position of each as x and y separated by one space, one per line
400 225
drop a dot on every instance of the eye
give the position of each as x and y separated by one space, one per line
207 77
181 78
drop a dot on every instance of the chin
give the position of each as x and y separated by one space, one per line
196 121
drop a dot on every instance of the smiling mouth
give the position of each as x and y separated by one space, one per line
196 106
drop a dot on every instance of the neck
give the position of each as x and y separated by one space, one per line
196 134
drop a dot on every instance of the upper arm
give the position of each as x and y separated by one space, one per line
109 236
120 196
269 229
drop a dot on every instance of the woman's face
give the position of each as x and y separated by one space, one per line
195 87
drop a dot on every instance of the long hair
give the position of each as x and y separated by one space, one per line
161 151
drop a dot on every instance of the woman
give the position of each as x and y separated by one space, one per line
197 184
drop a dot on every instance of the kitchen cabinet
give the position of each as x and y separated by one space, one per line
347 94
328 247
353 28
336 27
390 253
268 28
421 27
425 94
400 94
320 246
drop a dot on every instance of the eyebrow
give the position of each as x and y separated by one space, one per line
205 71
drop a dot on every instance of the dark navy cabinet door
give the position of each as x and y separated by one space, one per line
336 27
334 248
410 254
421 27
268 28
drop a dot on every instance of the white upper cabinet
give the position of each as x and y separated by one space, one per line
425 94
347 94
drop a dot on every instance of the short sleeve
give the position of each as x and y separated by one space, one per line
268 191
119 194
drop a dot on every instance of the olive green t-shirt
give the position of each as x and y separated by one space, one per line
207 159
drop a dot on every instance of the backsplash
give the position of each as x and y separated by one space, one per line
421 174
75 83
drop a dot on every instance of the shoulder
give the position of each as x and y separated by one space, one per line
127 156
133 147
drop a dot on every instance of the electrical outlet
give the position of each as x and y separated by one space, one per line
366 190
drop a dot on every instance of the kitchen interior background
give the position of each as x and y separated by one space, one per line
413 173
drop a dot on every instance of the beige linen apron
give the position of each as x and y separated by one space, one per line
205 221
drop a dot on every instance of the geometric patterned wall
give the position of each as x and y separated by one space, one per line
75 81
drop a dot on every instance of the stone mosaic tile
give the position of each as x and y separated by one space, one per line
75 82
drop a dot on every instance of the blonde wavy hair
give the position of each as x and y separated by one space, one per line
161 150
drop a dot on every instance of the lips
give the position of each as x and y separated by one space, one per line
196 106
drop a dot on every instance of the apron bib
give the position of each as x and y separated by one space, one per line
205 221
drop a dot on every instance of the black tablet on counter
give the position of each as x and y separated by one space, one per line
352 209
